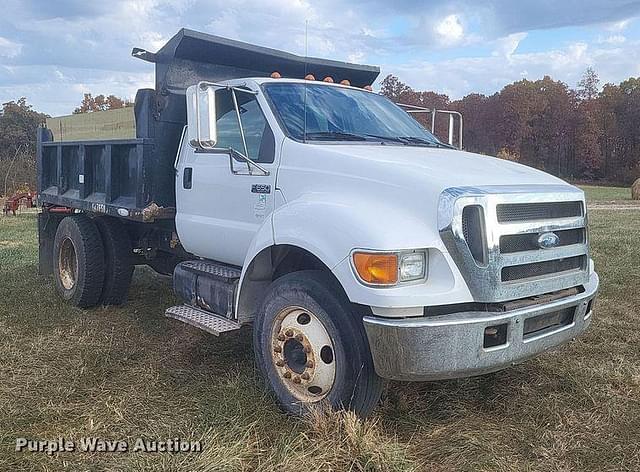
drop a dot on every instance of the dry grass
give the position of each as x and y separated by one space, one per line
122 373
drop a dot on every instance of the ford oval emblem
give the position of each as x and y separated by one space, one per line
548 240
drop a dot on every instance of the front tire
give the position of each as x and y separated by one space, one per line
78 261
310 347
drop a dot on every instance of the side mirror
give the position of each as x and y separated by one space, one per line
201 116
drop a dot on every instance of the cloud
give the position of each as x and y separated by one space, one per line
505 47
618 26
52 51
613 39
9 49
450 30
461 76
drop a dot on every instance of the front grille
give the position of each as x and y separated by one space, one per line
538 269
473 231
511 212
501 228
511 243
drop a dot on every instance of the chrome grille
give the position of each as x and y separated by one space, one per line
513 219
510 243
537 211
473 231
537 269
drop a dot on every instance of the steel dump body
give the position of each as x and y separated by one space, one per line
118 177
124 177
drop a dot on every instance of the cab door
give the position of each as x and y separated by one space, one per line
221 200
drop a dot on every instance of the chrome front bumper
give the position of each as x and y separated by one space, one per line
452 345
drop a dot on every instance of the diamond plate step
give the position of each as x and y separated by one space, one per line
212 268
208 322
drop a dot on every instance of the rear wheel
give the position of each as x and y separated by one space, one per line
118 261
310 347
78 262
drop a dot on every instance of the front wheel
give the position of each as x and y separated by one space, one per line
310 346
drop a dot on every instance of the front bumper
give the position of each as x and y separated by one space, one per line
453 345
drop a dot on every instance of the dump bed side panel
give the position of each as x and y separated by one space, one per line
130 178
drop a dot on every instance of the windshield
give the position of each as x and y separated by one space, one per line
343 114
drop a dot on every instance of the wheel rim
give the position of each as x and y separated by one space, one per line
68 264
303 354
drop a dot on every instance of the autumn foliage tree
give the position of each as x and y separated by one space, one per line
18 125
101 103
583 133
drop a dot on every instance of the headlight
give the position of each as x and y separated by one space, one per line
390 268
412 266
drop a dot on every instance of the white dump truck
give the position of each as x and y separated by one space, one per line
279 191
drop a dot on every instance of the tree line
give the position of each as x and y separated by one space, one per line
583 133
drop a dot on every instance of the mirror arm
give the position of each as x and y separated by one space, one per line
244 142
233 153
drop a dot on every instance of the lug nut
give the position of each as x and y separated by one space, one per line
296 379
305 376
281 337
309 364
299 338
289 332
277 349
287 375
306 349
280 363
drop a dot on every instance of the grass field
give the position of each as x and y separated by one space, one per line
128 372
598 194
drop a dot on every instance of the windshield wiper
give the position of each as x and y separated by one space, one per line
426 142
384 138
409 140
335 135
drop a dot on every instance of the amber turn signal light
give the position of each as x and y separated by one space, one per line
376 268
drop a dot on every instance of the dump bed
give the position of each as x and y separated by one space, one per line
81 166
130 177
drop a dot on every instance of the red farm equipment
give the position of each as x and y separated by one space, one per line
18 198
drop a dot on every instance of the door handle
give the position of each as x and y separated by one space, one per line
187 178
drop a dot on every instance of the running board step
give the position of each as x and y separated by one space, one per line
209 322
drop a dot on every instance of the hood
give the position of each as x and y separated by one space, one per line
383 196
441 168
405 171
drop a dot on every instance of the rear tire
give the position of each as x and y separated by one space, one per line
310 347
78 261
118 261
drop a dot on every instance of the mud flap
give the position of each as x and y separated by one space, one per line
47 227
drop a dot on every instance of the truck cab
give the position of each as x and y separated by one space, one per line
357 244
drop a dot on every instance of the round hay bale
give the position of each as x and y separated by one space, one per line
635 190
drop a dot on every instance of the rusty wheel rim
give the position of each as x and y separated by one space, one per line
303 354
68 264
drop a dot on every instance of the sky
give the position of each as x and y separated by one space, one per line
53 51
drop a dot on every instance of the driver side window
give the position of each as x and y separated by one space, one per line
257 133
